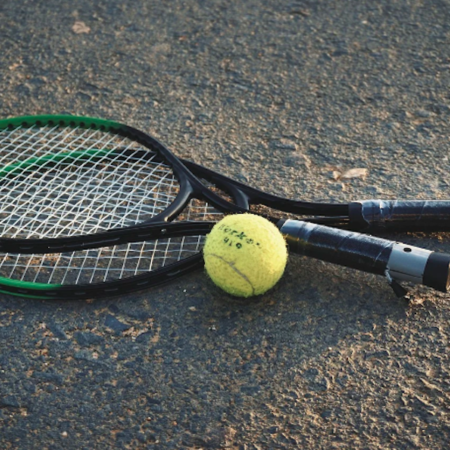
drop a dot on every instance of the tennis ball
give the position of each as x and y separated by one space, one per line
245 255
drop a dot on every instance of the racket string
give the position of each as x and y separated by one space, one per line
81 196
116 190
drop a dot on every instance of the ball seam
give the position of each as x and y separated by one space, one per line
233 267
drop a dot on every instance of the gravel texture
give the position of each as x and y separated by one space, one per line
331 100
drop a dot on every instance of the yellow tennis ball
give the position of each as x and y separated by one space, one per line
245 255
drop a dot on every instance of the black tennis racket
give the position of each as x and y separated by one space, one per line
92 207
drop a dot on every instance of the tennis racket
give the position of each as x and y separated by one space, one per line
92 207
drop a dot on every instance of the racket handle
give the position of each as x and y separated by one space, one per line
398 262
404 215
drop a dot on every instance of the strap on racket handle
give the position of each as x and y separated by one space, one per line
397 262
400 215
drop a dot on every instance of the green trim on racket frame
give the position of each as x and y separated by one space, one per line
62 120
35 285
8 282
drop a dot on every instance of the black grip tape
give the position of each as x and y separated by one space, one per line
419 215
346 248
437 272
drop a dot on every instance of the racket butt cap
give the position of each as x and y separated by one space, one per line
437 272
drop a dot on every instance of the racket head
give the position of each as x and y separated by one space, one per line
111 270
96 273
66 166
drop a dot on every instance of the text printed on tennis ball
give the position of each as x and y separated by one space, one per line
237 238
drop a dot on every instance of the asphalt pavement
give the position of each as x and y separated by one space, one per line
318 100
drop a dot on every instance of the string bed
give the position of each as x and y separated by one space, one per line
68 181
108 263
49 190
